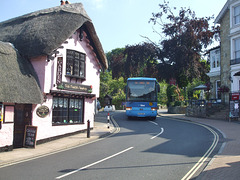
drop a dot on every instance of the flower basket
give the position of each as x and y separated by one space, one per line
223 89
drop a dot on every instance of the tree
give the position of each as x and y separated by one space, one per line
186 36
194 94
116 59
105 78
112 87
133 60
162 95
141 60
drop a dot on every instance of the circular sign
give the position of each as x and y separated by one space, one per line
42 111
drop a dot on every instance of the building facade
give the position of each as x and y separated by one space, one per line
229 19
63 51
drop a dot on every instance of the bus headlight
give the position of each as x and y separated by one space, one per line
154 108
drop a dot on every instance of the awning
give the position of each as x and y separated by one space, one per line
200 87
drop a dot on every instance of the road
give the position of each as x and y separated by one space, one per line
142 149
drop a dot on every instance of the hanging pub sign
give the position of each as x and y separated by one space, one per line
42 111
1 112
1 115
59 70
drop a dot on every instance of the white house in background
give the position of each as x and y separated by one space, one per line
229 20
214 73
234 36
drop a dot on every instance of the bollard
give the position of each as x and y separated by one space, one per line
88 129
108 119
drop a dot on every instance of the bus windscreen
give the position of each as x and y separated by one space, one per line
143 91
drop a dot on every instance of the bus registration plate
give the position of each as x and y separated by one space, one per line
141 113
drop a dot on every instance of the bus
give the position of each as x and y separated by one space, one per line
141 97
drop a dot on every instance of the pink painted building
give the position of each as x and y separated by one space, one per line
54 80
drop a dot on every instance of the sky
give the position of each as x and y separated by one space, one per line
117 22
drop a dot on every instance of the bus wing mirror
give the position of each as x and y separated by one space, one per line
158 88
125 89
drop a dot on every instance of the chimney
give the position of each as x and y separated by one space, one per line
62 2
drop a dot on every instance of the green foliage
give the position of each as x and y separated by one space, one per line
138 60
206 66
170 94
162 96
194 94
175 95
117 61
112 87
105 78
141 60
117 92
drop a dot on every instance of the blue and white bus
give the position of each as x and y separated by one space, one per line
141 97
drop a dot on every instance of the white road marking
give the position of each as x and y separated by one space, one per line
162 130
154 123
85 167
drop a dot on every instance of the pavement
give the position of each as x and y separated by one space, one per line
223 166
99 131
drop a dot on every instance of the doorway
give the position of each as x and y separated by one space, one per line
22 117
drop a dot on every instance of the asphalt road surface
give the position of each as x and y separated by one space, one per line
142 149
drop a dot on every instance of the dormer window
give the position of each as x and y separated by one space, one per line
75 64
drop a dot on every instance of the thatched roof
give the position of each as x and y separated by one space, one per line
18 80
42 32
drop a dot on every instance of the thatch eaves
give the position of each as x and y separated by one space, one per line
18 80
42 32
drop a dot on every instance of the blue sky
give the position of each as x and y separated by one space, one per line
117 22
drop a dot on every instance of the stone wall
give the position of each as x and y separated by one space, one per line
177 110
209 110
213 81
196 111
